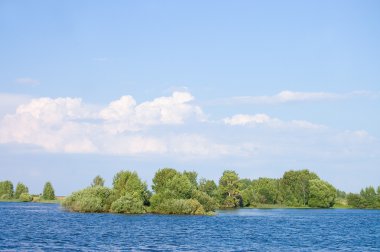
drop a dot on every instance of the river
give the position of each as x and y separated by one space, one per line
47 227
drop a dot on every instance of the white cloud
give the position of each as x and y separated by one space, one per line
27 81
291 96
265 120
161 127
68 125
125 115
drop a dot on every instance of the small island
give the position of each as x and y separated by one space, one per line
181 193
176 192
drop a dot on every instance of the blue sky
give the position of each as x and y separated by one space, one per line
261 87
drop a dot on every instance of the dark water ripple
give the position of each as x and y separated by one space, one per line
45 227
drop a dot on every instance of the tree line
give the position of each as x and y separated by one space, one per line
175 192
21 193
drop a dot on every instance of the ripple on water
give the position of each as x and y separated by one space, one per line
34 226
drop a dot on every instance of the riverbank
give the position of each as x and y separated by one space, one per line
35 200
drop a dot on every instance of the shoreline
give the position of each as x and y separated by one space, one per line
262 207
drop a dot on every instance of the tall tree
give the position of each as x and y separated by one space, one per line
192 176
295 187
98 181
129 182
48 192
321 194
229 189
6 190
209 187
162 177
20 188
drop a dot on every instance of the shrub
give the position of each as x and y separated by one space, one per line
129 204
209 204
180 206
91 199
25 197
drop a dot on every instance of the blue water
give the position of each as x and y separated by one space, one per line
33 226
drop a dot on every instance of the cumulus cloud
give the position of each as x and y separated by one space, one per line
163 127
292 96
69 125
265 120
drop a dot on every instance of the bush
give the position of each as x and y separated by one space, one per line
209 204
25 197
91 199
180 206
129 204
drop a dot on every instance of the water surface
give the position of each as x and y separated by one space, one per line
34 226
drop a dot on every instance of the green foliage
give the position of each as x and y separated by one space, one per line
98 181
128 204
25 197
48 192
20 188
341 194
92 199
295 187
229 190
161 178
249 197
180 206
209 204
209 187
192 176
177 193
266 190
368 198
355 200
321 194
129 182
244 183
6 189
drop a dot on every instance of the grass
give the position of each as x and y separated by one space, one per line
275 206
37 199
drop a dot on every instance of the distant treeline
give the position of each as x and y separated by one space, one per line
21 193
177 192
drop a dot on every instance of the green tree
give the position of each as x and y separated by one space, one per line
244 183
321 194
161 178
209 187
369 197
266 190
129 182
229 189
209 204
98 181
48 192
192 176
295 187
20 188
6 190
355 200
